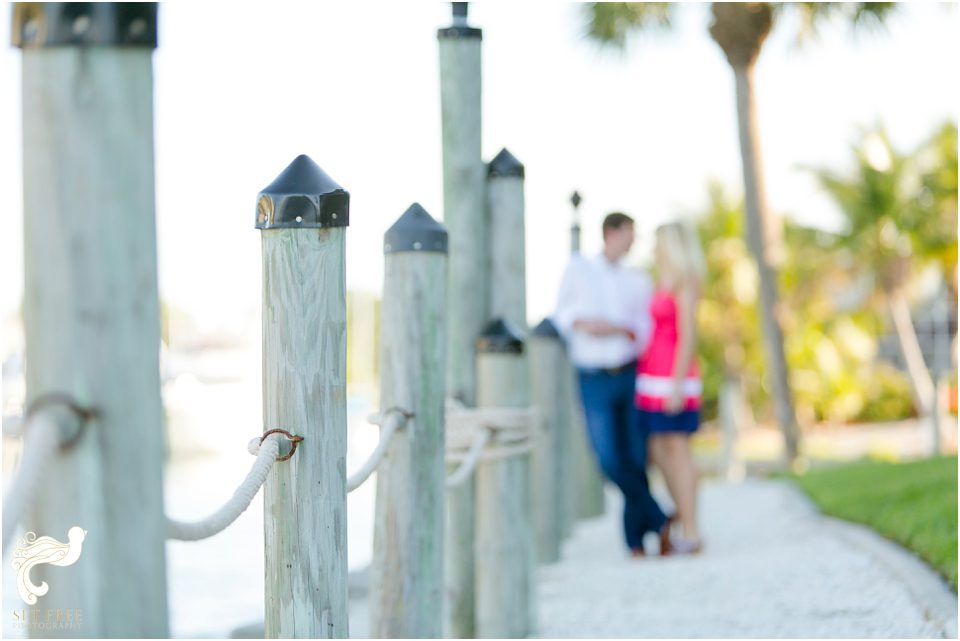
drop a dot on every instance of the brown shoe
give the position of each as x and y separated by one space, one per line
665 547
637 553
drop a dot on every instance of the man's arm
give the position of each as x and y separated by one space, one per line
570 315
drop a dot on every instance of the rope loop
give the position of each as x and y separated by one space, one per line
47 399
295 440
378 419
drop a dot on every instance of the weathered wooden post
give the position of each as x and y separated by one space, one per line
575 225
588 495
590 501
552 481
465 216
91 307
508 267
506 554
464 199
302 216
406 579
508 286
459 551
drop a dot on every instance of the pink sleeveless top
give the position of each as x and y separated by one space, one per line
655 367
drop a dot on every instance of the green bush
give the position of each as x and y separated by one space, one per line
831 346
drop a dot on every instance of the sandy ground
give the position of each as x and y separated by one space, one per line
772 567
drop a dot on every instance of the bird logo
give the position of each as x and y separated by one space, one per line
32 551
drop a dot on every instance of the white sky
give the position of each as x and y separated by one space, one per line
241 89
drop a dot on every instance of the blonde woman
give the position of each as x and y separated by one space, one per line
668 386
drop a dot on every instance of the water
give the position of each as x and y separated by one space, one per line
216 585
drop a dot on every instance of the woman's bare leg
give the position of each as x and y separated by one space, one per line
671 453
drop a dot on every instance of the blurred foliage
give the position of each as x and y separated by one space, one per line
900 214
611 23
728 316
900 209
937 165
831 351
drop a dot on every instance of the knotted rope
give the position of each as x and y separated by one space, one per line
485 434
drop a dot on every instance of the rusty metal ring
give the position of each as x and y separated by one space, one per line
293 439
85 414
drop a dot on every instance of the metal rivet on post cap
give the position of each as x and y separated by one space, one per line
459 28
303 196
546 329
84 24
500 336
415 230
505 164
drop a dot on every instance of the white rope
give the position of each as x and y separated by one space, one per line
470 461
240 501
512 430
40 443
388 427
12 426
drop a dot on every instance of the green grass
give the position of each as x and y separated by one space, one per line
913 503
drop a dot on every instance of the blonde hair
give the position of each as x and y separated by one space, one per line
683 248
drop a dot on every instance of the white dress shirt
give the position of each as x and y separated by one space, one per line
593 288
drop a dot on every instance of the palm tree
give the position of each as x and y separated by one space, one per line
937 227
899 220
740 30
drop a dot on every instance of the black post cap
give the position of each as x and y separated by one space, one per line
505 164
575 199
546 329
84 24
459 28
415 230
500 336
303 196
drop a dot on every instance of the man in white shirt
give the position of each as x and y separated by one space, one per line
603 314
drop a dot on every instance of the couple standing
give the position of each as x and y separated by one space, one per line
633 346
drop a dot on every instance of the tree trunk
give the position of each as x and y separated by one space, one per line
920 380
760 231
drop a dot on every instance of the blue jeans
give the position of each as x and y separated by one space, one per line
620 444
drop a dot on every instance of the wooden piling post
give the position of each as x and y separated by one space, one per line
459 551
91 307
505 545
575 225
590 500
302 216
406 576
464 199
571 435
552 481
465 216
508 284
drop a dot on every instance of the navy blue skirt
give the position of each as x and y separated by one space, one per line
686 421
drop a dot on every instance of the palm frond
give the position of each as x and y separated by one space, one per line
610 23
859 15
